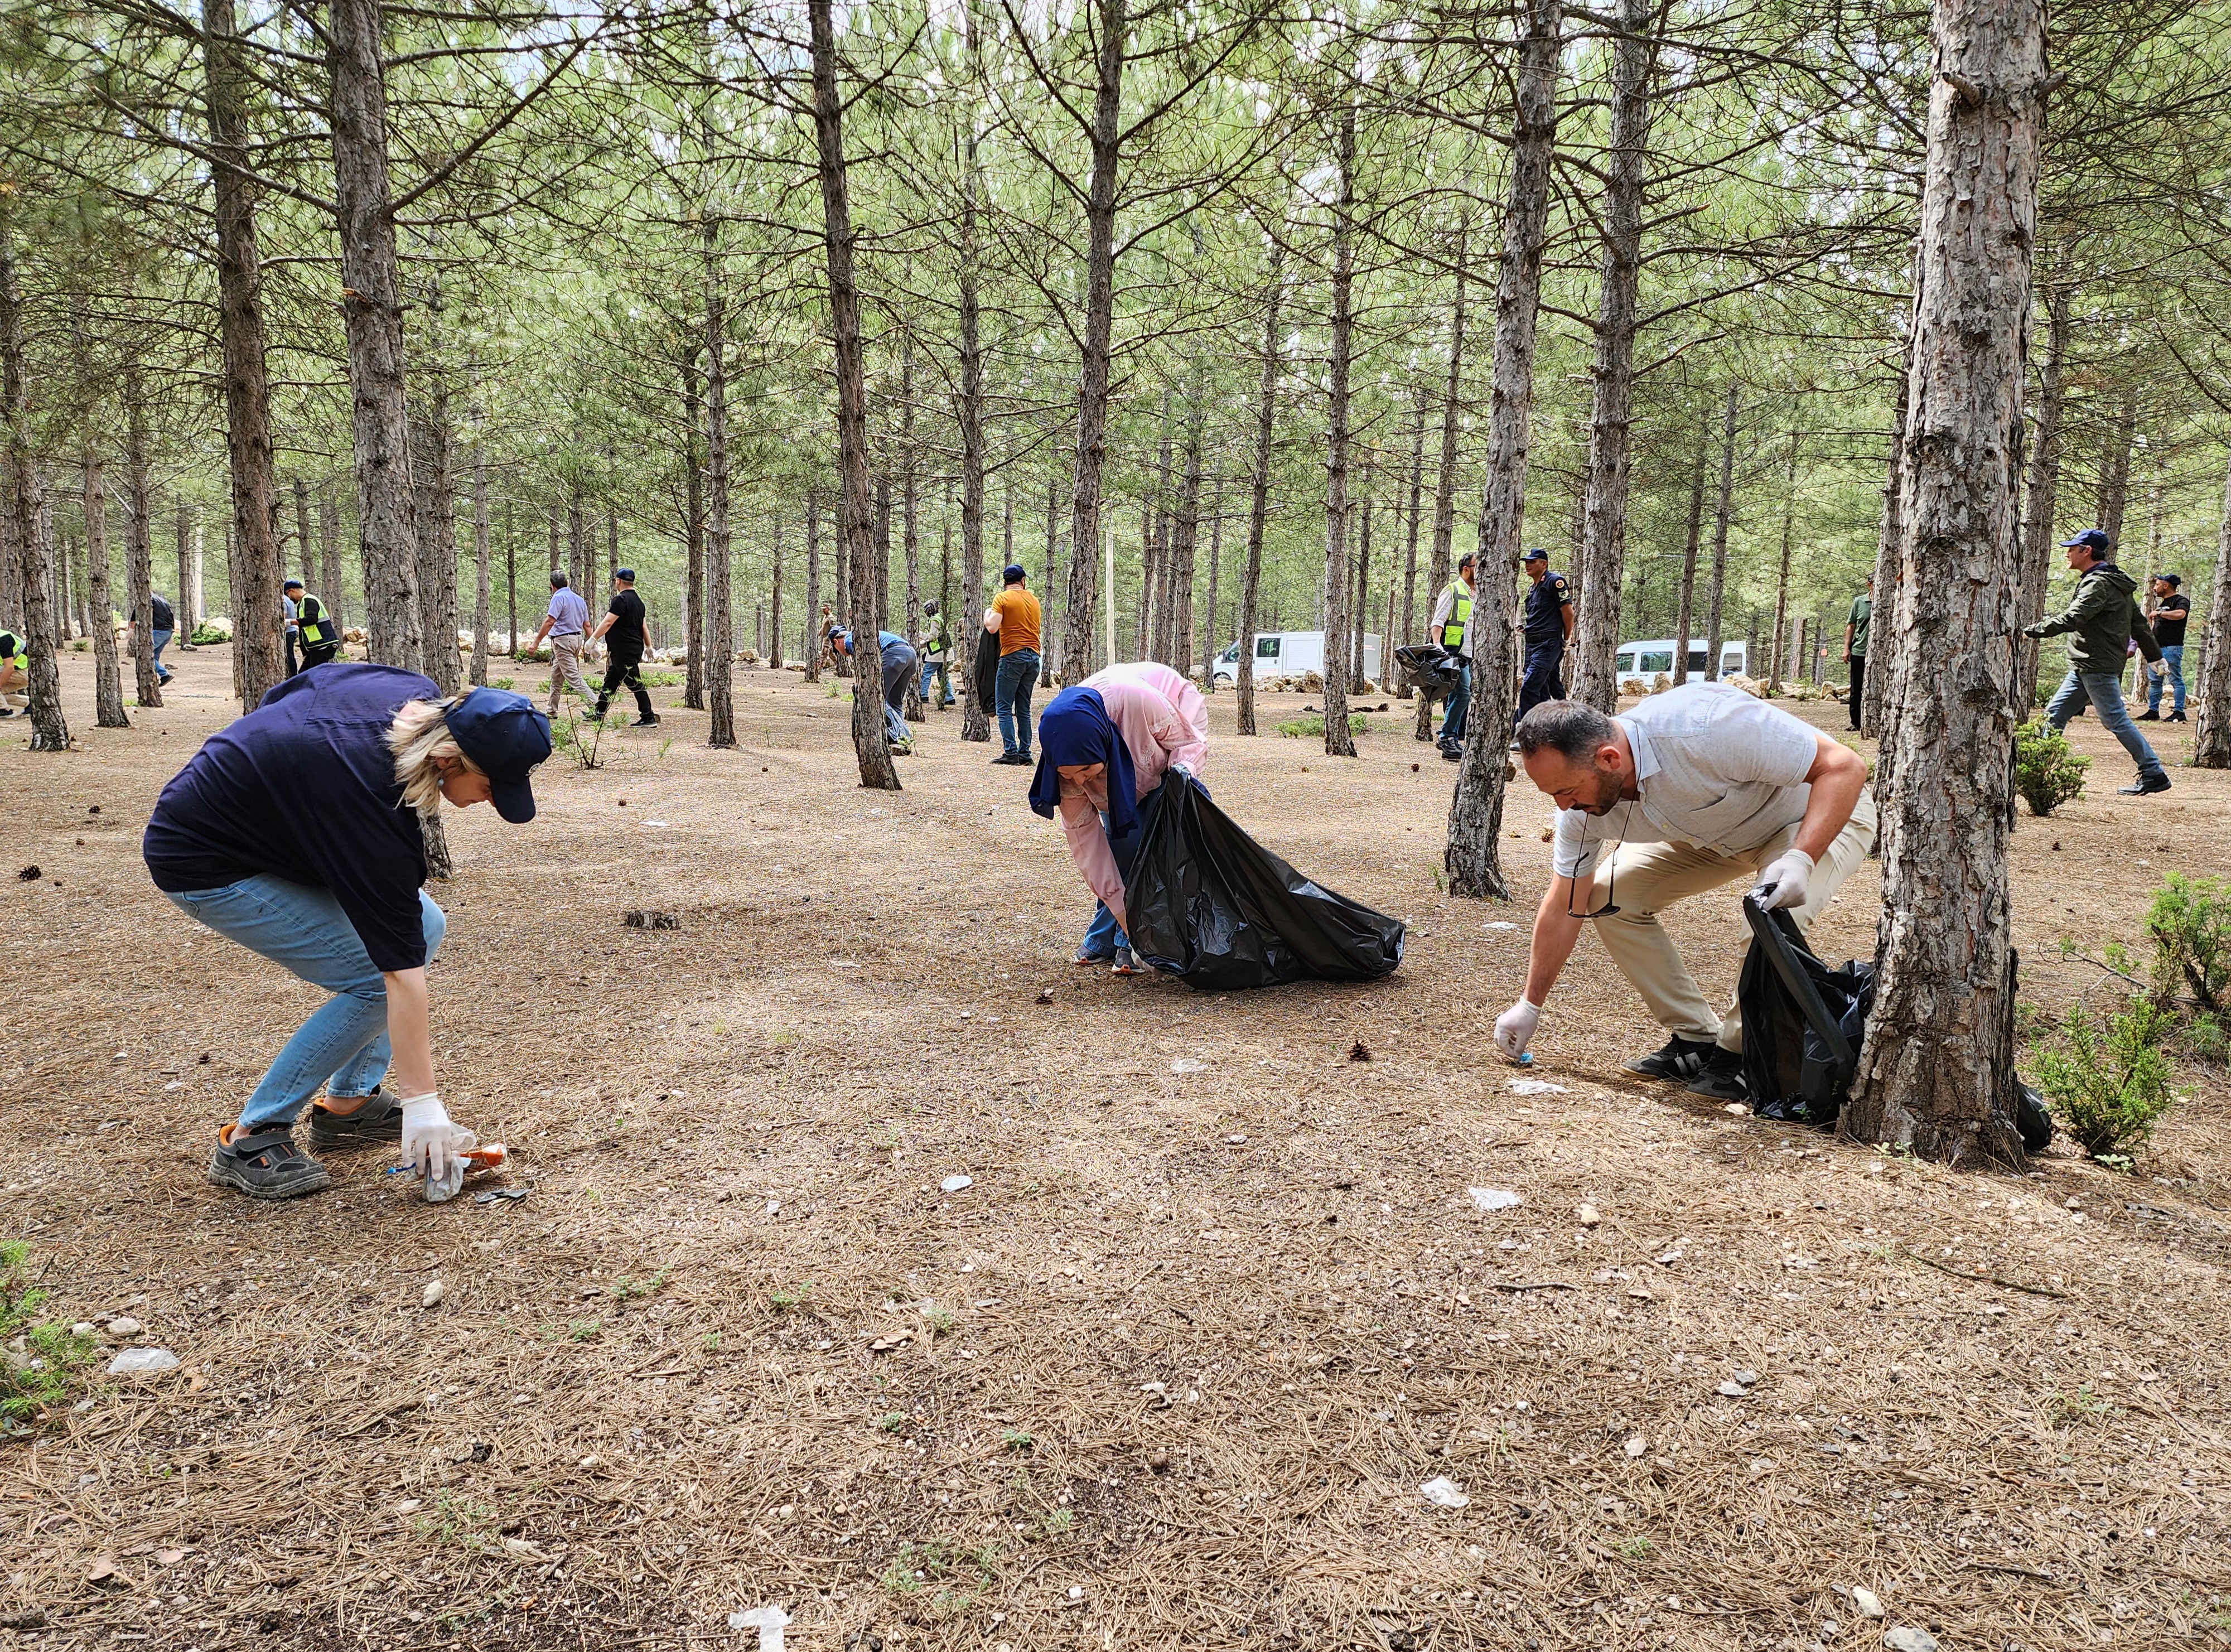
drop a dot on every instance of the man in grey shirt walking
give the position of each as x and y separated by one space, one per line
1699 787
566 625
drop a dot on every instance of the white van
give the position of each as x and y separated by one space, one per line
1289 654
1639 663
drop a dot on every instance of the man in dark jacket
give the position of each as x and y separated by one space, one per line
2102 623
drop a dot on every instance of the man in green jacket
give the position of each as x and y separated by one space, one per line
2102 623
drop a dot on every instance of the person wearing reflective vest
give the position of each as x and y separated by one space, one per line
320 638
1452 630
15 674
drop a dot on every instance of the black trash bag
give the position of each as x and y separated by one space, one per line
1802 1023
986 671
1431 667
1210 905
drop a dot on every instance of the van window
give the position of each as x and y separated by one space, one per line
1626 660
1697 659
1732 660
1657 660
1229 653
1266 647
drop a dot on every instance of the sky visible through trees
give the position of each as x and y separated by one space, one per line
1082 210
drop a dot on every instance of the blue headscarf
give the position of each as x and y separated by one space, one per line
1075 728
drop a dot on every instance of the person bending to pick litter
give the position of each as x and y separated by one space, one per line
1699 787
1104 747
899 663
296 832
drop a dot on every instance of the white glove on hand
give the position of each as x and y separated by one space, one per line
430 1140
1514 1028
2159 667
1783 884
1180 768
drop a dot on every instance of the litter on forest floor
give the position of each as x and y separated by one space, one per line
1494 1198
767 1620
652 919
132 1361
502 1195
956 1184
1444 1492
1536 1087
1182 1065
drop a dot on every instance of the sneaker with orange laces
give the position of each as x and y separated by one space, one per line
265 1163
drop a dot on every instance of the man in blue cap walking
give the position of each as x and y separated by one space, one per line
2101 624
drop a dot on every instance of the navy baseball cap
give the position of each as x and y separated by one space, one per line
1012 573
1537 554
2095 539
505 736
627 574
291 585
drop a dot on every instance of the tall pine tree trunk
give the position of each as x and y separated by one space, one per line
1938 1074
719 634
1603 532
1339 738
1409 632
139 566
1474 857
1185 532
1445 480
107 675
2041 495
693 537
909 524
2115 468
35 541
1096 354
329 544
1890 559
1782 580
869 741
1211 634
1258 509
372 306
975 716
1716 602
1684 613
437 511
1050 643
480 550
257 622
2211 710
813 644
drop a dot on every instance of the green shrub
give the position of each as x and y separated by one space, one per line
38 1361
1312 728
2190 924
2108 1082
500 682
2047 771
2207 1038
208 636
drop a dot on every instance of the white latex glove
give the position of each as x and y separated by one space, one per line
2159 667
1183 769
1514 1028
430 1140
1783 884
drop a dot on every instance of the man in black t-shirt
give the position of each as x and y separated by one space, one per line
625 641
2172 608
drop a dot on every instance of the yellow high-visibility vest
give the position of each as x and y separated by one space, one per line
1452 634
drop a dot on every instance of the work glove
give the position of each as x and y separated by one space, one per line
2159 667
2037 630
430 1142
1783 884
1514 1028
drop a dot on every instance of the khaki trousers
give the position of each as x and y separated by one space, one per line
564 668
1649 877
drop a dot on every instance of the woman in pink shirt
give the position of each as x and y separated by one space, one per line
1104 747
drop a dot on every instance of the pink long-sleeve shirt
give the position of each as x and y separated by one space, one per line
1162 719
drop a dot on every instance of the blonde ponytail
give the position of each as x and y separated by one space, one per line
419 738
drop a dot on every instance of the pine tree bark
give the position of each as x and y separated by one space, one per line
187 610
140 554
1474 856
877 773
1339 738
1594 675
1258 509
1716 602
304 558
693 539
1050 648
975 718
371 307
1782 580
2041 495
909 524
1684 612
1890 560
1445 479
257 622
2115 468
329 542
1095 355
433 470
2211 710
774 596
480 550
1211 634
35 542
1184 529
1409 633
1937 1075
813 645
107 674
720 635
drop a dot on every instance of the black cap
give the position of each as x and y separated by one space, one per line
627 574
2094 539
1536 554
1012 573
505 736
2169 579
292 585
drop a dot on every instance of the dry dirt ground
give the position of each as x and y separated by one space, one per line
1171 1371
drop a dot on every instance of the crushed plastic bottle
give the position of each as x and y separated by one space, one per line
441 1189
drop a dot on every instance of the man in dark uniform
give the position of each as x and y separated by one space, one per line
1549 628
625 638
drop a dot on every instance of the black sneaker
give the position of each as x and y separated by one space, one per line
1681 1060
2176 717
380 1119
644 722
2144 788
1721 1077
1007 758
1452 754
2147 716
265 1163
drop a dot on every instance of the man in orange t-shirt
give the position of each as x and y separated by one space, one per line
1014 616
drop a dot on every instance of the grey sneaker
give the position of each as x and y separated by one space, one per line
1124 965
1677 1059
265 1163
380 1119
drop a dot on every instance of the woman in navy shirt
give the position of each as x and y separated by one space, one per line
296 832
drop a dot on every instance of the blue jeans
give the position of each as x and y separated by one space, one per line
1011 695
2105 691
1452 725
1103 934
898 671
344 1044
942 672
2173 657
162 639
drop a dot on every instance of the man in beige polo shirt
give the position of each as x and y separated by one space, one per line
1699 787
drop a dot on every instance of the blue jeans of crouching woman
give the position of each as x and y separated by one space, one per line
344 1043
